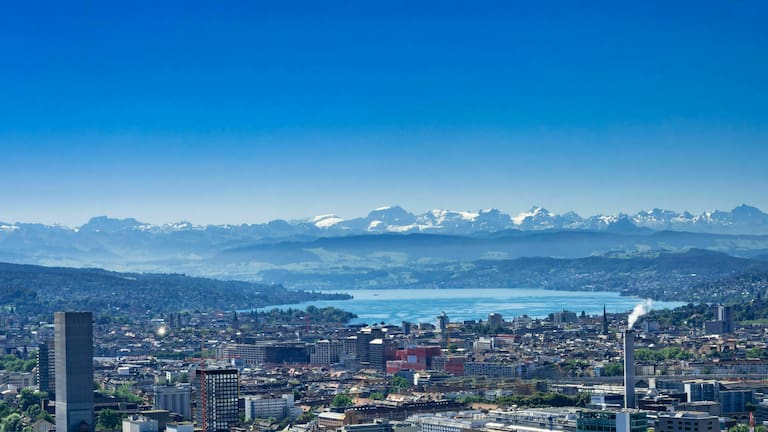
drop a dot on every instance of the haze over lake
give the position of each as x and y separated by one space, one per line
393 306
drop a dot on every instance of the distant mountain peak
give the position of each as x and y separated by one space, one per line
537 216
110 225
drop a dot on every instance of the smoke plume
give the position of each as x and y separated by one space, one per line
639 310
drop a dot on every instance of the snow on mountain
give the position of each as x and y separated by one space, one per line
326 221
439 217
571 220
440 220
537 218
8 227
535 212
392 219
395 215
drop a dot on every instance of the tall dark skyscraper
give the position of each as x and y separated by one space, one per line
73 346
629 369
217 392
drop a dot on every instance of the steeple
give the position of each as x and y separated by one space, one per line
605 321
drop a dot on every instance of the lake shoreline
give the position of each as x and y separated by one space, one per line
392 306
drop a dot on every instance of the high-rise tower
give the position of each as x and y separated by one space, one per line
442 326
629 369
725 314
73 347
217 393
46 369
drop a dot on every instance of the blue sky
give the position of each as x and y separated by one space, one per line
244 112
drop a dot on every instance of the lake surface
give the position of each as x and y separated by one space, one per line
393 306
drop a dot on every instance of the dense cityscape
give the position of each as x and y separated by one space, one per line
309 370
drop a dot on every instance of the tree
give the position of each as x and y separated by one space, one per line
108 419
341 400
125 391
283 423
399 383
5 409
757 353
745 428
33 411
614 369
305 417
12 423
28 397
44 415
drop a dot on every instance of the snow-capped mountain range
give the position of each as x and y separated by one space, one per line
741 220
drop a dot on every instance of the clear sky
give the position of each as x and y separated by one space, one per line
227 112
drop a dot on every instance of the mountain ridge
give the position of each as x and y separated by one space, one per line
743 219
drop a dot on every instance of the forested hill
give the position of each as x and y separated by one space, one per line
36 290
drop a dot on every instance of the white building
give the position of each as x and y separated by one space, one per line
688 421
139 423
448 422
326 352
179 427
278 408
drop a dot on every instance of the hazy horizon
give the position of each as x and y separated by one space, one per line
364 214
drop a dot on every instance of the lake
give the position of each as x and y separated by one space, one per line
393 306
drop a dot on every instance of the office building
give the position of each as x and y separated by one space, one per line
406 328
257 407
217 392
687 422
376 426
611 421
364 338
491 369
453 364
629 369
379 351
73 346
326 352
563 317
179 427
446 422
442 327
725 314
495 320
736 401
46 368
701 390
349 346
265 353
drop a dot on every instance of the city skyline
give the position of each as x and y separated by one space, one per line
243 114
